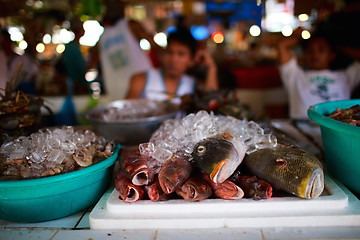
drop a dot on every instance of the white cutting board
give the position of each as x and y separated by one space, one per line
333 208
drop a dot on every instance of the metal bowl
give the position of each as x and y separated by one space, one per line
130 131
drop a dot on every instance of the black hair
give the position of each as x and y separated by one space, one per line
320 35
185 37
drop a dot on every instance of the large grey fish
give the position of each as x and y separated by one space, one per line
288 168
219 156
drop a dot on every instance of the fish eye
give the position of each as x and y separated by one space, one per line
201 149
176 177
128 168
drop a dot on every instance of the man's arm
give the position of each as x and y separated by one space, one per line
136 87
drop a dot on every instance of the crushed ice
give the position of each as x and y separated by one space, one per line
46 150
179 136
133 110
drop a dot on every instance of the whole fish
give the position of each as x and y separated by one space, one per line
219 156
174 172
252 186
140 169
155 193
195 188
288 168
128 192
225 190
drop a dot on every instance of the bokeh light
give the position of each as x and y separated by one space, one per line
15 34
217 37
305 34
303 17
23 44
60 48
40 47
47 38
93 31
287 30
161 39
144 44
255 30
199 32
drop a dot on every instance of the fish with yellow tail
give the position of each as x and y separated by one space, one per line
219 156
288 168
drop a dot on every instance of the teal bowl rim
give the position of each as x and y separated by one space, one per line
66 176
325 121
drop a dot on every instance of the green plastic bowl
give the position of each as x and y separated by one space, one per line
49 198
341 142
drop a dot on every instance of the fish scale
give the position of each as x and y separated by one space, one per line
288 168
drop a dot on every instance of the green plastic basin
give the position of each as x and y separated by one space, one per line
341 142
49 198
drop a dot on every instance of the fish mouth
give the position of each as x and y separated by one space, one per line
132 195
141 178
315 184
239 193
166 186
154 194
218 175
192 193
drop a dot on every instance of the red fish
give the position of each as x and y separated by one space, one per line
253 187
225 190
174 172
128 192
155 192
194 189
140 169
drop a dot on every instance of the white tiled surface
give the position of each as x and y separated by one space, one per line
208 234
66 222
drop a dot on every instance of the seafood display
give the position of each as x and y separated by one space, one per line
179 136
52 151
288 168
19 113
201 156
350 116
134 110
222 102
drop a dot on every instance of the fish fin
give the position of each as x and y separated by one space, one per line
227 134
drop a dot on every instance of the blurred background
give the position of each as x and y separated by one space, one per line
241 35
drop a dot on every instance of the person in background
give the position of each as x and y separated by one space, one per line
119 50
72 63
3 66
29 67
318 83
171 81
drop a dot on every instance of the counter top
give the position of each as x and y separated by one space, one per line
77 226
